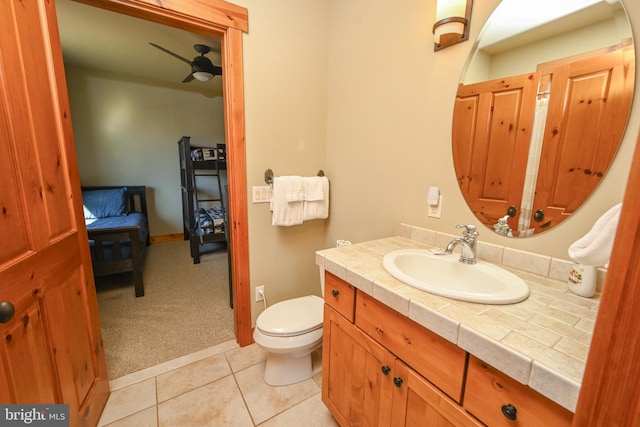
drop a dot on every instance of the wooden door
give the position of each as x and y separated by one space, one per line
357 375
418 403
50 342
587 114
492 125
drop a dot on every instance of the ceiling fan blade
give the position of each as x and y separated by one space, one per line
171 53
188 78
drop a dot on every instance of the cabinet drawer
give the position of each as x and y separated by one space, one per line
488 390
433 357
339 295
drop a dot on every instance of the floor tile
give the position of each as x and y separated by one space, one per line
309 413
265 401
161 368
191 376
145 418
245 357
129 400
219 386
215 404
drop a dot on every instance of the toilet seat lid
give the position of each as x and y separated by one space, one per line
292 317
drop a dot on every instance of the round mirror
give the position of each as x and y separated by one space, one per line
541 110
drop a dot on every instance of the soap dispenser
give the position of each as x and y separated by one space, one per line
582 279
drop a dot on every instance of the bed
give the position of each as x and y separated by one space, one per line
118 229
203 207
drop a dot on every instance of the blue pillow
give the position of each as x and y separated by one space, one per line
104 203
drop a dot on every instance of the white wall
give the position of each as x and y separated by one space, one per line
126 133
285 82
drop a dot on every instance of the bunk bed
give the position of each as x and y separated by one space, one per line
203 208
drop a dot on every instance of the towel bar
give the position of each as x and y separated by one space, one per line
268 175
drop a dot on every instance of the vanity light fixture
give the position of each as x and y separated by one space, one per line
453 18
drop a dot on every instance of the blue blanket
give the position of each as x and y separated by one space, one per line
128 220
210 221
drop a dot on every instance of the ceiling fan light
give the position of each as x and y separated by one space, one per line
203 76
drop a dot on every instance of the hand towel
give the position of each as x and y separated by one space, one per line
316 203
595 247
286 213
295 189
314 188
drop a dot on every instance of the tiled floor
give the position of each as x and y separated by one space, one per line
219 386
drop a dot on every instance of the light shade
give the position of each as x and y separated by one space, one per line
203 76
452 22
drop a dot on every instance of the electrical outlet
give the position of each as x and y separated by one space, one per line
435 210
259 293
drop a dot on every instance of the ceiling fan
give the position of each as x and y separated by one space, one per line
201 67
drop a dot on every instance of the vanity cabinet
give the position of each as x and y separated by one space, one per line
357 377
417 402
438 360
379 368
498 400
364 383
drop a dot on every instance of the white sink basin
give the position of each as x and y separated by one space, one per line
444 275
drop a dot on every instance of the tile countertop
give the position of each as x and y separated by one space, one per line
542 342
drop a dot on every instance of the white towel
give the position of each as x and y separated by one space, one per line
316 200
286 213
595 247
314 188
295 188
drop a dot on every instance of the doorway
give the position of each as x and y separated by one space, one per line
226 22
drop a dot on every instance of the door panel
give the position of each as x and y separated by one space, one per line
585 123
492 125
51 349
26 357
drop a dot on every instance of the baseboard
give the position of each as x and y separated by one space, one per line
167 238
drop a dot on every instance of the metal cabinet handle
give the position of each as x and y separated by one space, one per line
538 216
510 411
398 382
335 292
386 369
6 311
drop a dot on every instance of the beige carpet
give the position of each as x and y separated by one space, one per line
185 309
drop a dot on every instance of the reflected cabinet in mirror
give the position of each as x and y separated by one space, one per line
541 110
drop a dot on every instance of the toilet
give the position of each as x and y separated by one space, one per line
290 331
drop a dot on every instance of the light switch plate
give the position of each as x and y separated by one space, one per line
262 193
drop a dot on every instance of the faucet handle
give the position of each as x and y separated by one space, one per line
470 227
470 230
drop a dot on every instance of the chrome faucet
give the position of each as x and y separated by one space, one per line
467 241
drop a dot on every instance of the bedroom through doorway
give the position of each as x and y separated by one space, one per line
126 133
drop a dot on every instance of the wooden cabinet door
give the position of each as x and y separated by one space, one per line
50 343
491 132
357 374
418 403
587 114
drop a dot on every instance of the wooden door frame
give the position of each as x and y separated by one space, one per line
226 21
611 393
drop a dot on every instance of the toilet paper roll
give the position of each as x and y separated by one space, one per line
342 243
